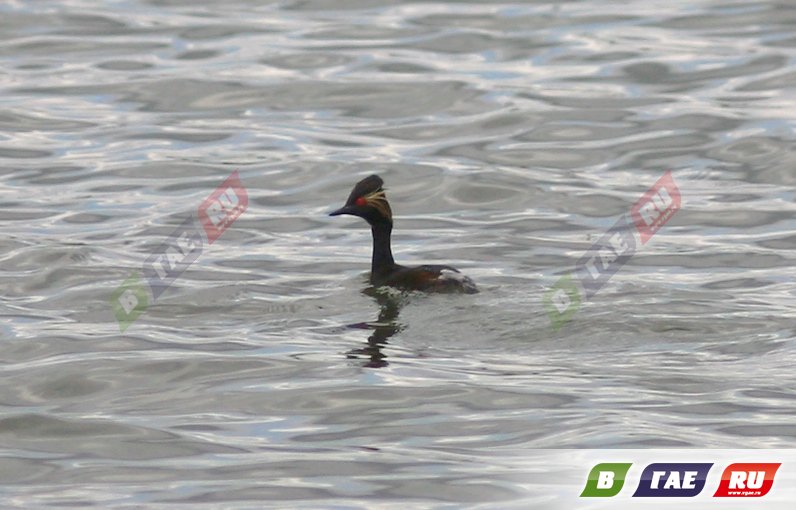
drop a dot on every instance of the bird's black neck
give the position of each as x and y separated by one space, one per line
382 262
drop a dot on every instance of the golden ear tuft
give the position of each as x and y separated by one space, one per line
378 200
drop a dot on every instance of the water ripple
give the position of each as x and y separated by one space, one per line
510 136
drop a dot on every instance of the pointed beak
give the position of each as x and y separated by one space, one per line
343 210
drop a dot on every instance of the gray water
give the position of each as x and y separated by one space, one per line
510 136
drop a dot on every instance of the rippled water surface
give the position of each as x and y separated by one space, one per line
511 136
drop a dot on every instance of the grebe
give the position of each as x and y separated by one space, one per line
368 201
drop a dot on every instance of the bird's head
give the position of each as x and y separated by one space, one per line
368 201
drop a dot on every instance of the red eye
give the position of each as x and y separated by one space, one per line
361 202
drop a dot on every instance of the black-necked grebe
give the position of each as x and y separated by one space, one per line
368 201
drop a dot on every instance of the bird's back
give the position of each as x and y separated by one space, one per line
429 278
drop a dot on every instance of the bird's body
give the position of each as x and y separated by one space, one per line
368 201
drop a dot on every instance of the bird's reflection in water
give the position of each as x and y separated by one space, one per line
390 304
